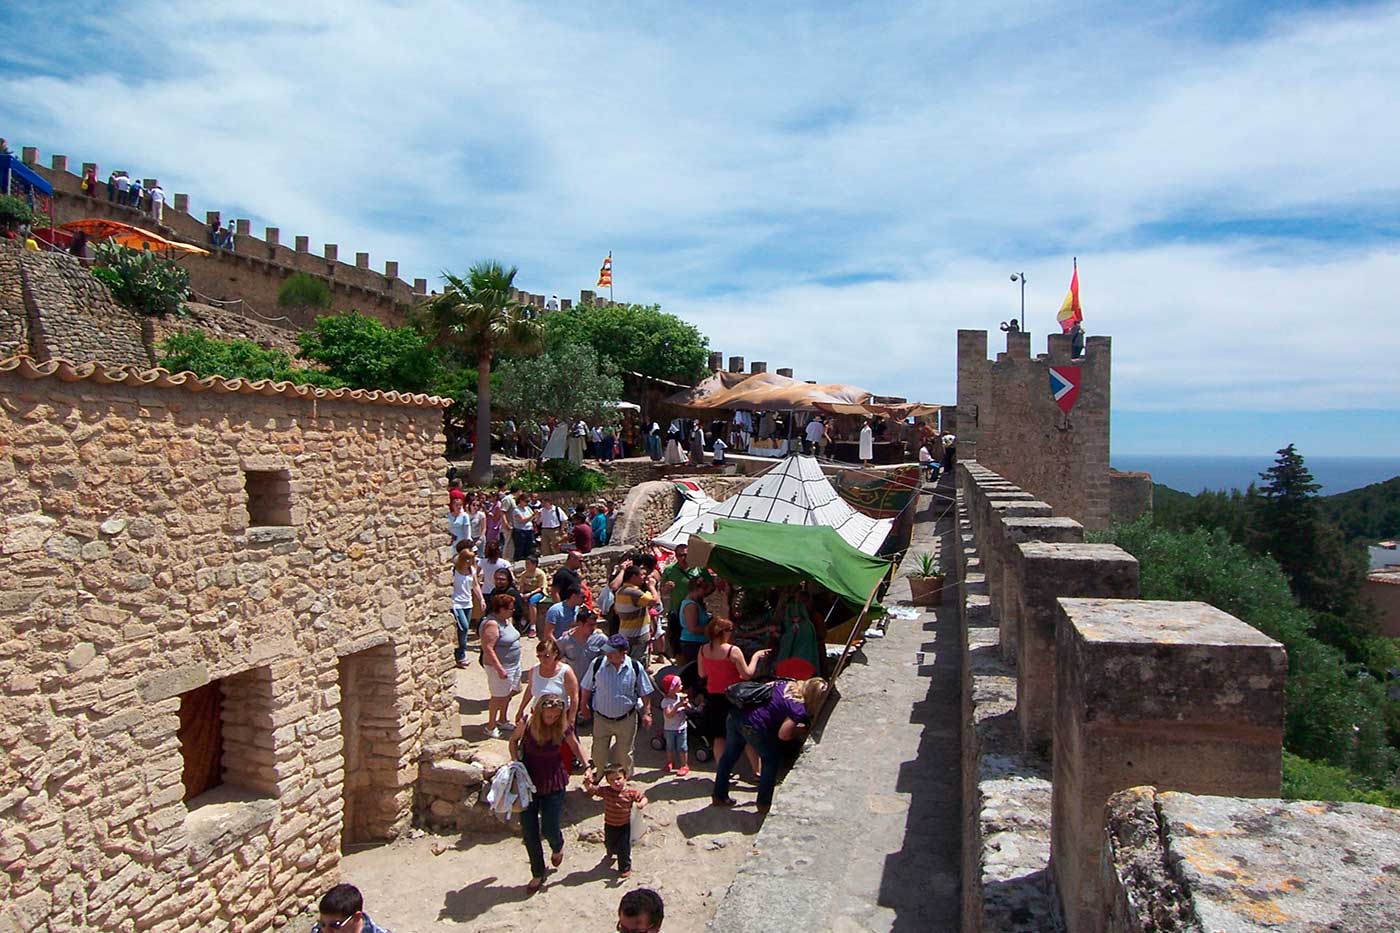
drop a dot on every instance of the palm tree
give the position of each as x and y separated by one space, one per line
479 316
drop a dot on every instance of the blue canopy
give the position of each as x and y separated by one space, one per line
14 171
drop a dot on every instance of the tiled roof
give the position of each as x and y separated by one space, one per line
65 371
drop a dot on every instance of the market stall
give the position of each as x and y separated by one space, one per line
832 583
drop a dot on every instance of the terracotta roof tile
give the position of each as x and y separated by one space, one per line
65 371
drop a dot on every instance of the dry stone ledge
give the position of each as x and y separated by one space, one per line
1178 695
1175 861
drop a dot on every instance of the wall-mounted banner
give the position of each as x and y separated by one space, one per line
1064 385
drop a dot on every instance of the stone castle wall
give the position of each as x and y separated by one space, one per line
1008 421
256 268
155 541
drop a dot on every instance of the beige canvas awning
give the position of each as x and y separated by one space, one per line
767 392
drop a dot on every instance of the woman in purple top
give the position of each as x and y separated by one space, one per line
785 716
537 747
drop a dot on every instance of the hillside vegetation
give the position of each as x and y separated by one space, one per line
1271 557
1367 514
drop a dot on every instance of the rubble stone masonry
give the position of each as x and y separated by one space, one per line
215 584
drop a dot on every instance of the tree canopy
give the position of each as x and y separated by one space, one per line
195 351
568 383
633 338
366 354
478 316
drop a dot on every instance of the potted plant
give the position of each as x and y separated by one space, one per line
926 583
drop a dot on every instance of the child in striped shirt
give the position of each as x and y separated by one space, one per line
618 799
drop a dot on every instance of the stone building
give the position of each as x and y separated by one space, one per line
222 641
1008 421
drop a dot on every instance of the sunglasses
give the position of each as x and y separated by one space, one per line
338 924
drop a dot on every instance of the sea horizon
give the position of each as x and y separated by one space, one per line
1191 473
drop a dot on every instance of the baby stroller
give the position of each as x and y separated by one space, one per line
694 688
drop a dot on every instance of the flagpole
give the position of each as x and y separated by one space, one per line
610 278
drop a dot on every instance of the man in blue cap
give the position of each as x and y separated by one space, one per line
615 688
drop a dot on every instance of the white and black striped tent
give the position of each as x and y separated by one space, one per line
793 492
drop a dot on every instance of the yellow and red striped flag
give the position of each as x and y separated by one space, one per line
1070 312
605 273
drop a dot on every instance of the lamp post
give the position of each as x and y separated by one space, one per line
1021 277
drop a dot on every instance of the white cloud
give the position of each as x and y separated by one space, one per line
754 154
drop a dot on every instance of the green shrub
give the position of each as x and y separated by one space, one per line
1314 780
15 212
204 356
304 291
561 476
141 280
366 354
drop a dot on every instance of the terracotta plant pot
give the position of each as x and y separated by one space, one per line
926 591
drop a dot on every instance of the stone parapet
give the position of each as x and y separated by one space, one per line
1180 696
1176 861
1046 572
1005 789
1010 531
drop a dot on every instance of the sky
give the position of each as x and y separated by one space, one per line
832 187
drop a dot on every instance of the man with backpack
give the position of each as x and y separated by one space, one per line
615 688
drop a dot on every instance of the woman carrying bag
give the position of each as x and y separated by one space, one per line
537 746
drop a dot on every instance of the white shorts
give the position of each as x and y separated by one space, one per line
502 687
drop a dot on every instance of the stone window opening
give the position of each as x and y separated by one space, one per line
226 748
269 497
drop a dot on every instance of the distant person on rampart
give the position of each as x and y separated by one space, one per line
342 910
1076 338
950 453
133 193
641 911
123 192
112 186
551 303
157 195
89 184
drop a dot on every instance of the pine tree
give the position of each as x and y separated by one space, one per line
1286 518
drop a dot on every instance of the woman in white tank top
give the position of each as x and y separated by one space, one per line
552 676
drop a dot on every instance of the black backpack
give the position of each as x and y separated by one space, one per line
750 694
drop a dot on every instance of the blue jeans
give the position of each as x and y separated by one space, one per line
524 541
463 617
736 737
676 741
540 821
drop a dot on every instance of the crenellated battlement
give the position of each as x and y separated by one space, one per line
1009 420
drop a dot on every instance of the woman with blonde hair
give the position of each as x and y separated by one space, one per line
786 715
538 746
500 656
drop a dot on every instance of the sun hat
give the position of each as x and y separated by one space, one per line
617 643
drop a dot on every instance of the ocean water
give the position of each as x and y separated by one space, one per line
1190 473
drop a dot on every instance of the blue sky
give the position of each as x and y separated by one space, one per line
832 187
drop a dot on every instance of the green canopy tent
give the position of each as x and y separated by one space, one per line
760 554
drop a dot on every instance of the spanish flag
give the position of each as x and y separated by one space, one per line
605 273
1070 312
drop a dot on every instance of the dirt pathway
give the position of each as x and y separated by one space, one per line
689 854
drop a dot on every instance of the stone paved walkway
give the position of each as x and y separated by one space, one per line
865 833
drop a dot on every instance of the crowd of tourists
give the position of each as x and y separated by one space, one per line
648 649
128 191
517 524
